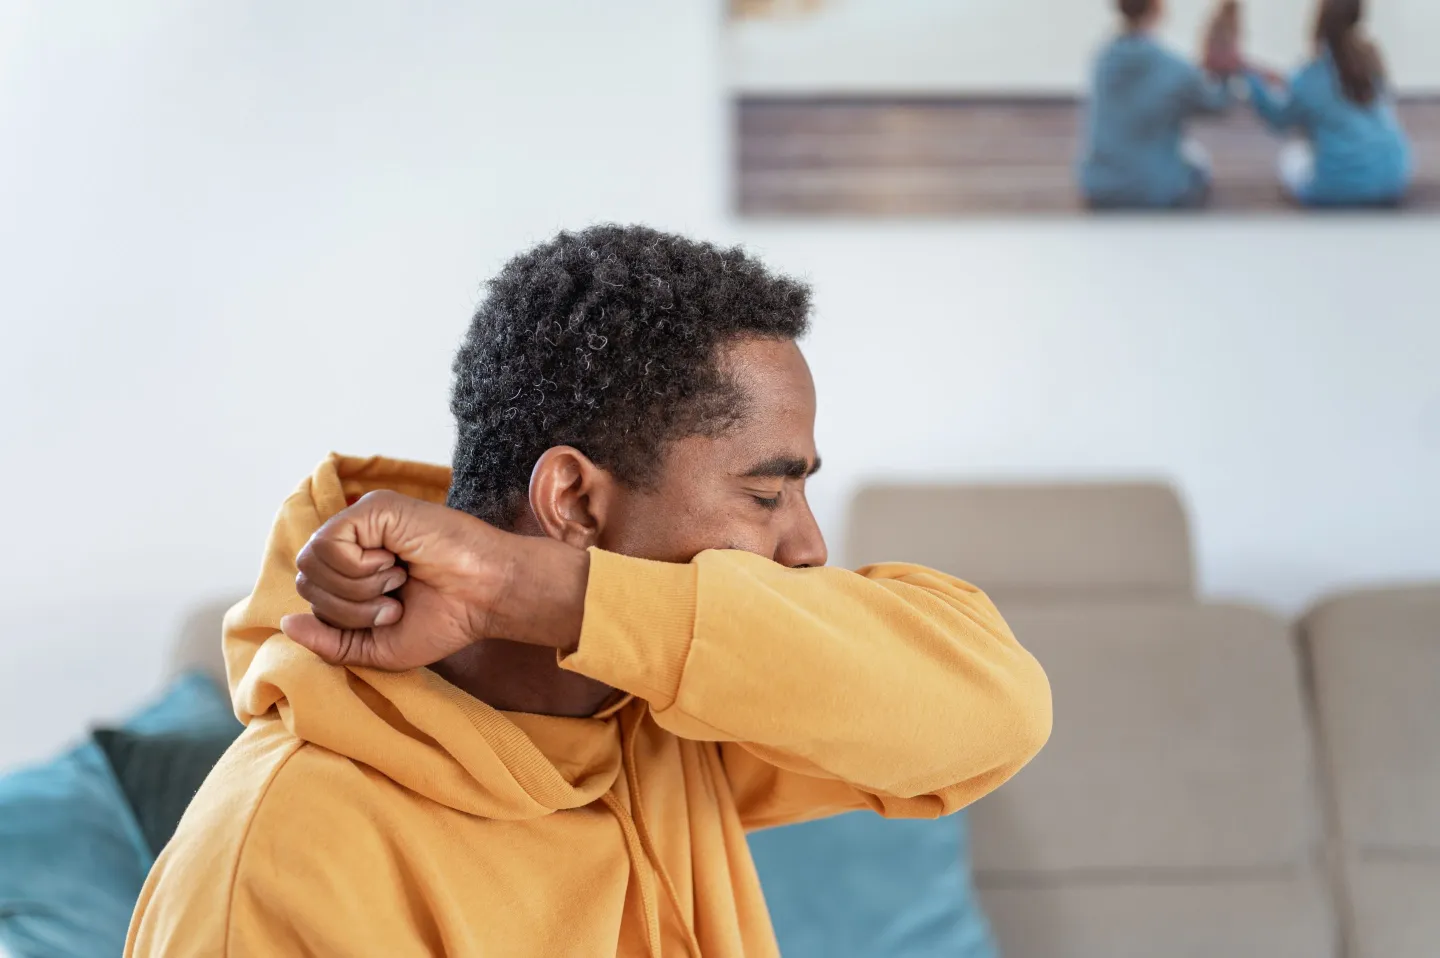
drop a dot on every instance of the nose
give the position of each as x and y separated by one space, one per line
802 545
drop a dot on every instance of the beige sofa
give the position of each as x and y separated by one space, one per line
1375 658
1201 795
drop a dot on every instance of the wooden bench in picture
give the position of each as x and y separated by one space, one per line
947 157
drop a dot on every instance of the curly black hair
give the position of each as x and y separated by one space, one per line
606 340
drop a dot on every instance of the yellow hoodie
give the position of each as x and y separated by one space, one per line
367 813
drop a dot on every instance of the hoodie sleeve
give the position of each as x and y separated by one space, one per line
895 688
1203 93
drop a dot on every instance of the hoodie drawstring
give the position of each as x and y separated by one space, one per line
641 848
636 850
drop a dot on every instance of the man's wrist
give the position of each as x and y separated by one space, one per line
542 601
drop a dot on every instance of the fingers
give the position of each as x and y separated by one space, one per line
346 585
365 538
345 613
330 547
379 520
337 578
336 646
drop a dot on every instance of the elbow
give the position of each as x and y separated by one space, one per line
1007 726
1022 701
1032 710
1019 700
1016 728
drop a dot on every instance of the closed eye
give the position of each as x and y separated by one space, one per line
767 503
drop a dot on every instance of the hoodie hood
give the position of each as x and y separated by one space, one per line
413 727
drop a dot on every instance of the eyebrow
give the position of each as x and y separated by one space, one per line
783 467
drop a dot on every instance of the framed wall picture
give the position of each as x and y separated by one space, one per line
942 108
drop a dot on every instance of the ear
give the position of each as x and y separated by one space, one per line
570 496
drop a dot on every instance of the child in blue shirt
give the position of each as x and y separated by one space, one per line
1136 155
1355 152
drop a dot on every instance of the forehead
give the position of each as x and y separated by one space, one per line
775 379
779 421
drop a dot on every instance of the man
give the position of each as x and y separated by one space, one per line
635 651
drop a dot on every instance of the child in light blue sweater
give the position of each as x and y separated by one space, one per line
1355 152
1143 95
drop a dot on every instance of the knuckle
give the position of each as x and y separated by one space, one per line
380 499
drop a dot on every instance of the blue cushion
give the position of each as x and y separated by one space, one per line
860 885
161 756
73 857
193 701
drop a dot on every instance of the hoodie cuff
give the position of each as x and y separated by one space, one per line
638 627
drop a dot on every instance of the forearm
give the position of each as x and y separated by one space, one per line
1212 94
1276 111
1201 89
901 681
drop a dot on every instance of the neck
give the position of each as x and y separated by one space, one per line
513 677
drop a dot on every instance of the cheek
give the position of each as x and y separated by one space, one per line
653 527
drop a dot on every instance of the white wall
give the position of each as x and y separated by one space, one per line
237 237
1025 46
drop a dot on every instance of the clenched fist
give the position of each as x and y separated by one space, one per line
397 583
